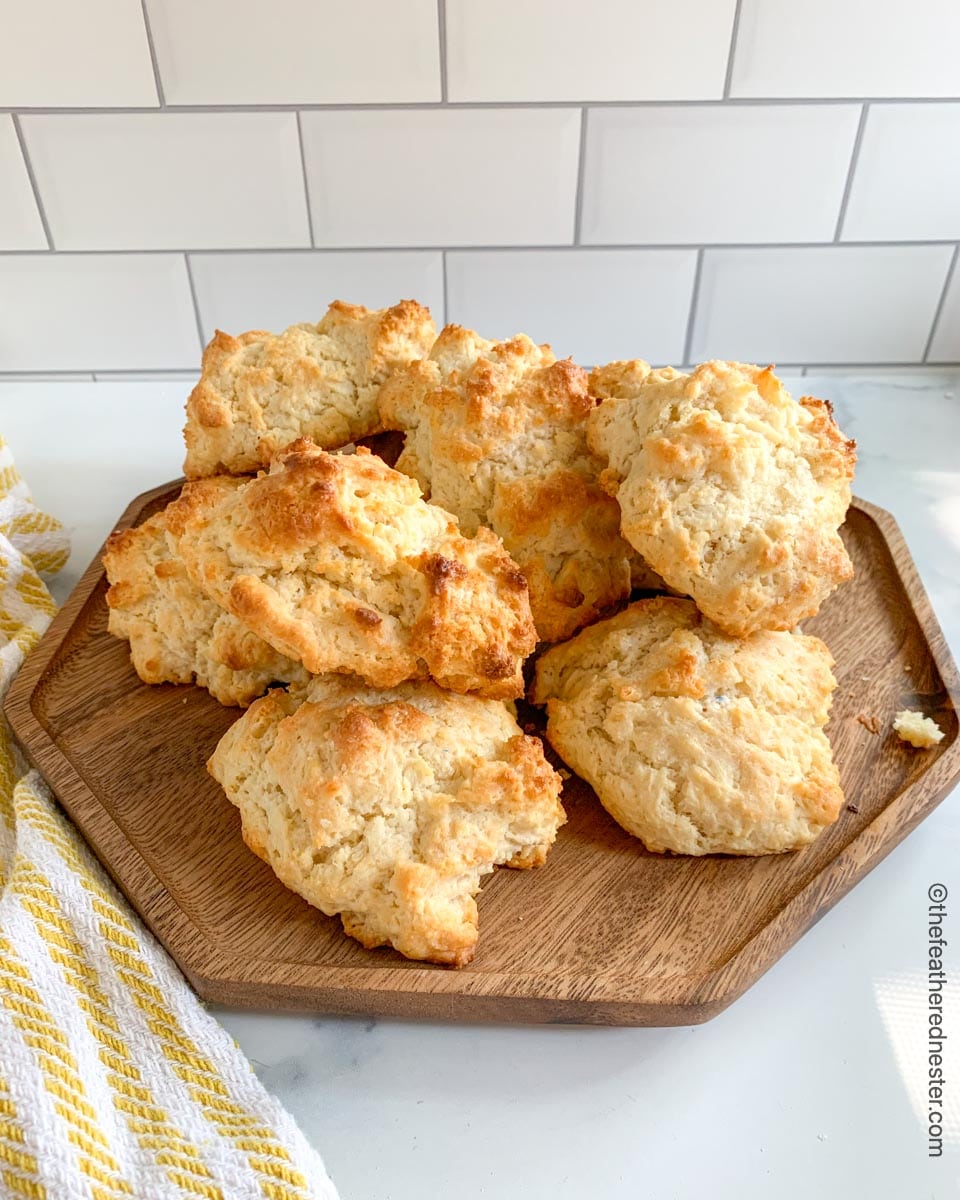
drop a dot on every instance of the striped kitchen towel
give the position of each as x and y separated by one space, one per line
114 1081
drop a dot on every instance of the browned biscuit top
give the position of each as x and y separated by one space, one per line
729 488
496 434
338 562
260 391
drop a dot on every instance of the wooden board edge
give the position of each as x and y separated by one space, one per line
920 602
896 822
685 1000
462 1008
17 704
66 783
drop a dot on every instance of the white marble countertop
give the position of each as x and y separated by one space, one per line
811 1084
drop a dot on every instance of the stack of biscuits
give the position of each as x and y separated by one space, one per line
375 620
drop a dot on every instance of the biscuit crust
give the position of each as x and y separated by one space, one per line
176 633
696 742
728 488
338 562
388 807
260 391
496 435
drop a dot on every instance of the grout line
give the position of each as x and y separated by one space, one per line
446 301
943 299
734 31
854 159
41 376
108 373
34 185
193 297
153 56
483 249
415 105
145 375
306 182
17 375
442 45
178 372
826 368
692 316
581 173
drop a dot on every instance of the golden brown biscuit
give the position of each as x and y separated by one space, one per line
696 742
388 807
729 488
496 435
176 633
261 391
338 562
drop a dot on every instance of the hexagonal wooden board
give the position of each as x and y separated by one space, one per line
604 933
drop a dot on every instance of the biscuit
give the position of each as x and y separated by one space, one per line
388 807
496 435
729 488
696 742
338 562
261 391
176 633
920 731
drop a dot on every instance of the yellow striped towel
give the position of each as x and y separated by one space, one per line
114 1081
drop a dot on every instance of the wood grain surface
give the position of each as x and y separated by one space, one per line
604 933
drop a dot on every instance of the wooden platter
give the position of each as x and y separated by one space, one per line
604 933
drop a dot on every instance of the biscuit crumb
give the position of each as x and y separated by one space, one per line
920 731
564 774
869 722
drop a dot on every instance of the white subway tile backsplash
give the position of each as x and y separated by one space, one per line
271 291
689 174
841 48
819 304
945 345
76 312
145 181
595 305
20 224
907 182
65 53
609 50
436 177
547 165
306 52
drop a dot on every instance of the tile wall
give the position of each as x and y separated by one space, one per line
755 179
